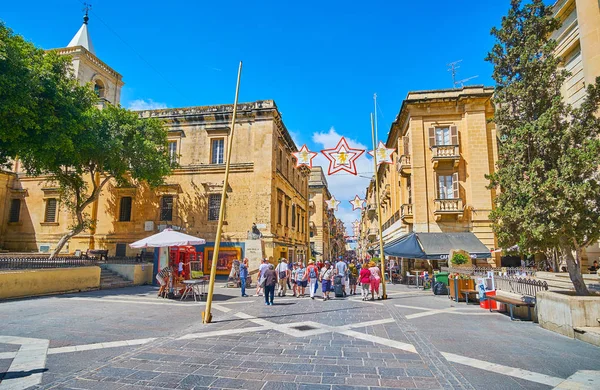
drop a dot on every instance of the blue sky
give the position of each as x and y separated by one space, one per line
321 61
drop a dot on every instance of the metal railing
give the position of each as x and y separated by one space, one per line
499 271
15 263
521 286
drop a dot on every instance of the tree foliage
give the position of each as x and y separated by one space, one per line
549 152
51 124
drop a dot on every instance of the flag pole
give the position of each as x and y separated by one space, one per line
378 204
206 314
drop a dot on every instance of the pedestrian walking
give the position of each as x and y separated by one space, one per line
282 277
243 276
375 280
301 280
365 282
312 274
294 276
341 269
270 282
325 276
353 276
261 271
290 265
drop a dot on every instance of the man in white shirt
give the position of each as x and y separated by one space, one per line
341 268
282 277
262 268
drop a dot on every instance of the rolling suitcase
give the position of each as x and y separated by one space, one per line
337 286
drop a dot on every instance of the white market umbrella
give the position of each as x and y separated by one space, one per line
168 237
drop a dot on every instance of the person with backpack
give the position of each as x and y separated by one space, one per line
341 269
312 274
301 279
282 277
353 276
264 266
325 277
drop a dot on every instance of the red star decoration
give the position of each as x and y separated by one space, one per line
357 203
304 157
342 157
384 155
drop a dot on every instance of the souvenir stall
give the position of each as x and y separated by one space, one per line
177 274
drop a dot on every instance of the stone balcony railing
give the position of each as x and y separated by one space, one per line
441 153
406 212
372 233
404 164
448 206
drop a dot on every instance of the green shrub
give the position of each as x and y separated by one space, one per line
459 259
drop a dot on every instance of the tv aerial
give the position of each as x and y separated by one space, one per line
453 69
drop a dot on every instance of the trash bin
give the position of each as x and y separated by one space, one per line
441 277
485 303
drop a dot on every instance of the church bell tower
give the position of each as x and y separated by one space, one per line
88 68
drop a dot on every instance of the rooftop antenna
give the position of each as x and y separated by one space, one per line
86 8
453 67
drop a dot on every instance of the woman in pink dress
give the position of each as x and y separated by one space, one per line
375 280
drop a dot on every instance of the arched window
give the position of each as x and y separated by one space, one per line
99 88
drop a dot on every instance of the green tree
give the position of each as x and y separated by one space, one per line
549 152
39 100
49 122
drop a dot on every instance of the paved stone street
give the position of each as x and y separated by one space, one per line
129 339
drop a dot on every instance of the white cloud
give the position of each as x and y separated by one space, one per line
344 185
141 104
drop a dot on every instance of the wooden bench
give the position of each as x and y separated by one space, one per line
510 302
466 293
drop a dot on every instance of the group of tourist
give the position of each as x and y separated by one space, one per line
297 277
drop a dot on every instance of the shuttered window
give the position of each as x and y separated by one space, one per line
405 146
439 136
173 156
294 216
15 210
50 215
214 204
125 209
448 186
279 211
166 208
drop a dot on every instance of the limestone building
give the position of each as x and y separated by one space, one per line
321 217
264 186
445 146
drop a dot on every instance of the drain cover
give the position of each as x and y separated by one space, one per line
303 327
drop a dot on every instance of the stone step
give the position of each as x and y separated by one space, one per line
110 279
589 334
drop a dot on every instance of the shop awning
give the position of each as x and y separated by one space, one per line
436 246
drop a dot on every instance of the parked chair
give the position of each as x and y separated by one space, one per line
410 277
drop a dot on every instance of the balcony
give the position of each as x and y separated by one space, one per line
445 154
448 207
372 233
404 165
371 208
406 213
312 225
311 204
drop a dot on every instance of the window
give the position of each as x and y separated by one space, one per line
218 151
166 208
214 206
302 224
287 215
125 209
280 160
294 216
409 189
448 186
51 205
173 157
298 221
279 211
121 250
15 210
441 136
99 88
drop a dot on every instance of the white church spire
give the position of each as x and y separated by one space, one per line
82 38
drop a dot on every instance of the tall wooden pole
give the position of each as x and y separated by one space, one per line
206 314
378 205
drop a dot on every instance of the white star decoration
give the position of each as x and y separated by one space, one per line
384 155
357 203
304 157
333 203
342 157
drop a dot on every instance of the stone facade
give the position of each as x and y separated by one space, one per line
445 146
320 215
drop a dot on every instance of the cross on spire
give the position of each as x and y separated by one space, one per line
86 8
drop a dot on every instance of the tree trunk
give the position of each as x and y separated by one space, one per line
574 267
64 239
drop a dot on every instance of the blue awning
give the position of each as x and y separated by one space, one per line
436 246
